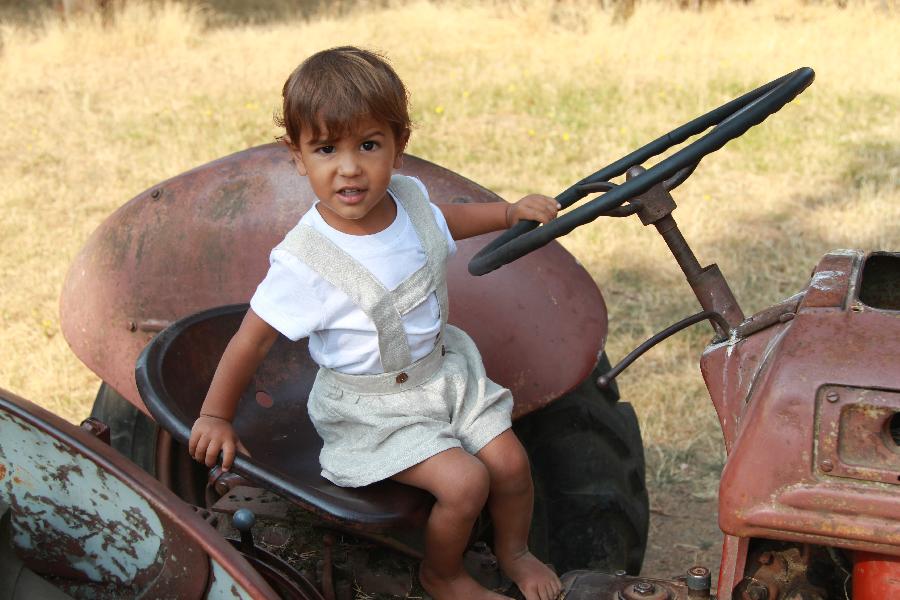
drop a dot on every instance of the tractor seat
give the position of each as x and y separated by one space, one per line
173 374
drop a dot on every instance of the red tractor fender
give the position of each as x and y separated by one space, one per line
202 239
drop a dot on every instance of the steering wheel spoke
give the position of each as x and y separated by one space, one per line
729 121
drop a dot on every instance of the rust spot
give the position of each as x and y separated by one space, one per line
17 480
2 471
264 399
62 474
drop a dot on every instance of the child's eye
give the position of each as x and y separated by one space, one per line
325 149
368 146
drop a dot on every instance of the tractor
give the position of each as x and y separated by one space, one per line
807 391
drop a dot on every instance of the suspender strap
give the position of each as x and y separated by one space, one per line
340 270
384 307
432 277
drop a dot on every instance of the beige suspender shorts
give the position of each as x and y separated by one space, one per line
374 426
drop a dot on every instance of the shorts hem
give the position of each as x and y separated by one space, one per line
368 477
475 445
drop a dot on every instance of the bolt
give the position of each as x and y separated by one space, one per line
644 588
155 194
698 578
827 465
132 326
620 573
832 396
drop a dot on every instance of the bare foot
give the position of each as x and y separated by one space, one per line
459 587
535 579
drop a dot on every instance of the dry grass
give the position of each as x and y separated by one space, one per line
519 96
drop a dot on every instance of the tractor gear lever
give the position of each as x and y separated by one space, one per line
243 520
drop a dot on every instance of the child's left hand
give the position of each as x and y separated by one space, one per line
533 207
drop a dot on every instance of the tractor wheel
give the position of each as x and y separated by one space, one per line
591 508
137 437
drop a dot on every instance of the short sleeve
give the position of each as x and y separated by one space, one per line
288 298
438 215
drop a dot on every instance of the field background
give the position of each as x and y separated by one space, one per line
519 96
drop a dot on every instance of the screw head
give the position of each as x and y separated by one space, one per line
832 396
827 465
644 588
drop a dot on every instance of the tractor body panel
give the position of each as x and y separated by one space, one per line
202 239
809 406
95 524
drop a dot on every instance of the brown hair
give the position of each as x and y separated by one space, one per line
336 87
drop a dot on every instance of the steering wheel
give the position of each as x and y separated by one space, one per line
731 120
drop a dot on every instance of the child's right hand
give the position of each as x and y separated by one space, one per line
209 436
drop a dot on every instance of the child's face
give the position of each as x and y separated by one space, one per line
350 175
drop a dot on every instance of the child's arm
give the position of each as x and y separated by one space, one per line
469 220
212 431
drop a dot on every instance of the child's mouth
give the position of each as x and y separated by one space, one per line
351 195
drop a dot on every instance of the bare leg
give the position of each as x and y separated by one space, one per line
459 482
510 503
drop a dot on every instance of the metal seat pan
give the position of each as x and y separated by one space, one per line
173 375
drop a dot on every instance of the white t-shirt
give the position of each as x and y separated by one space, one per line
297 302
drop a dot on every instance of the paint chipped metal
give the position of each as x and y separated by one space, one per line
103 529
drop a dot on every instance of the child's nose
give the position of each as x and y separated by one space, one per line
348 165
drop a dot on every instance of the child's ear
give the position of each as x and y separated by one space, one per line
401 146
298 160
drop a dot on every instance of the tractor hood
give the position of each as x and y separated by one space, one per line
810 407
202 239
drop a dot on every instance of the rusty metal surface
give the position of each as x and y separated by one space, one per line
263 503
778 313
288 583
768 393
852 434
591 585
713 293
97 428
202 239
730 368
81 512
731 568
539 322
707 283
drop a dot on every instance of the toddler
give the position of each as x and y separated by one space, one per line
399 394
